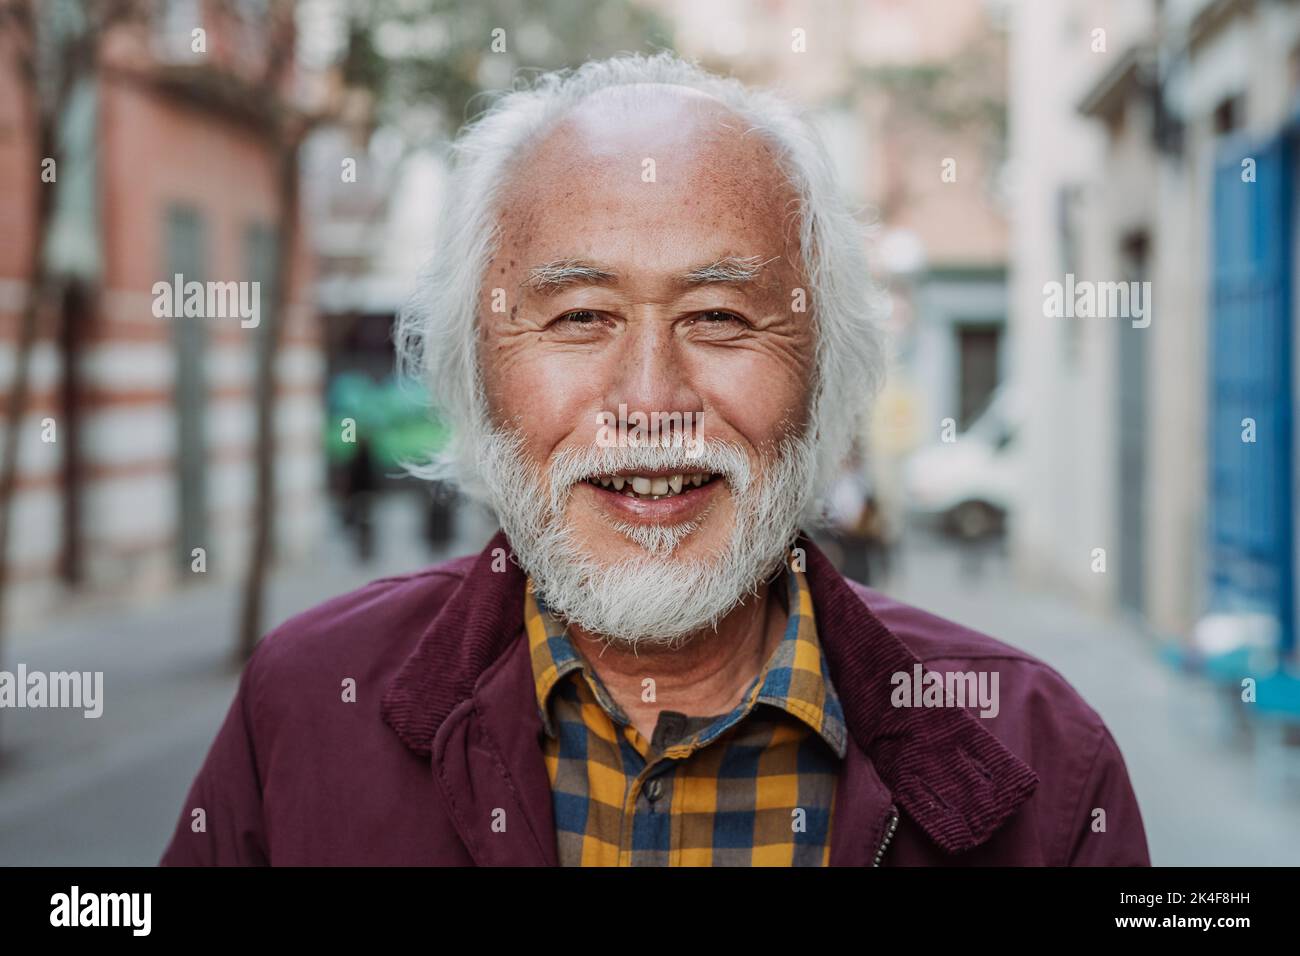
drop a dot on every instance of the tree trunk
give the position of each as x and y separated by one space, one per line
263 541
16 405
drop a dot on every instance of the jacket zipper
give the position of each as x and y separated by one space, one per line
890 828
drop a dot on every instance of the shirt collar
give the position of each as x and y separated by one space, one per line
795 678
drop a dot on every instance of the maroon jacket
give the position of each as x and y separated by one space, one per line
438 759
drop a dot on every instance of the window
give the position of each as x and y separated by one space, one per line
1229 115
978 346
185 252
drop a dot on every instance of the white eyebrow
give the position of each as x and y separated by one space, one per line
554 276
728 269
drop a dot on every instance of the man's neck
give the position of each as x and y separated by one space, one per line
706 675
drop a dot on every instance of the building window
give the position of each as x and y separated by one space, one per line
1229 115
1069 197
186 254
978 347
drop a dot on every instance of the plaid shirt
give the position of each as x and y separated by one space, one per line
752 787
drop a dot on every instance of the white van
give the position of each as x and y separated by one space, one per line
967 487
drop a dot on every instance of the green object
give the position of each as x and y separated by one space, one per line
396 424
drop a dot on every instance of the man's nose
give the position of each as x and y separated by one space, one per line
651 372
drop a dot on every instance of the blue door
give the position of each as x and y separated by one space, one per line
1250 365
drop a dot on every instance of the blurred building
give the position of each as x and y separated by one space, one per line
1155 142
911 101
167 169
374 202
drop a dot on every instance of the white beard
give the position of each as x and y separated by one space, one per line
652 598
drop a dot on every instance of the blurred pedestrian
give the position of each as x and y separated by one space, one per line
848 510
359 495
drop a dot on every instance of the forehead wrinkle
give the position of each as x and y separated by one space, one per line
733 158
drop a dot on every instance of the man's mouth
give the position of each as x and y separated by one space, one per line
652 486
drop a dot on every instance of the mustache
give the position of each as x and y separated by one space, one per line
572 465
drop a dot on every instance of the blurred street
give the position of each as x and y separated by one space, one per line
80 792
108 791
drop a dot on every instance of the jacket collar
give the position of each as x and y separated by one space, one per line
953 777
473 628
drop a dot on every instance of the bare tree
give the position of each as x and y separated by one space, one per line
50 47
288 130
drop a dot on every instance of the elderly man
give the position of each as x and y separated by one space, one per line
650 664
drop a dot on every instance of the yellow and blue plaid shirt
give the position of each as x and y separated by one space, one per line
755 786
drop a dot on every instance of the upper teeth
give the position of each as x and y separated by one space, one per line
655 487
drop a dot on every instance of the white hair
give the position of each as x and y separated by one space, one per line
437 331
654 598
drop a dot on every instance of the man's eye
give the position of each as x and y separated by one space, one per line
580 317
717 316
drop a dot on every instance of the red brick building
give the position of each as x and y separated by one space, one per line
168 167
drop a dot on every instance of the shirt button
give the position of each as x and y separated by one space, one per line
654 790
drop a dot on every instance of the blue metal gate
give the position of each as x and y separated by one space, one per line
1251 532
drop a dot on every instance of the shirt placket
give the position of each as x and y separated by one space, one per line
649 795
